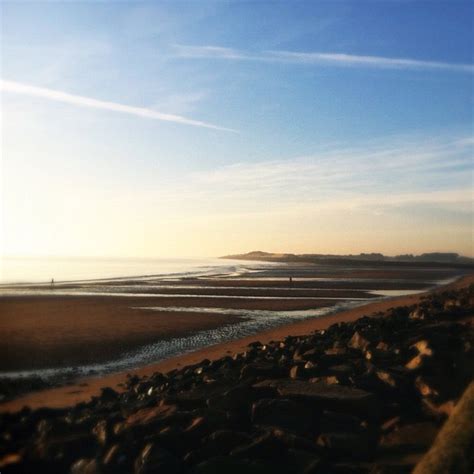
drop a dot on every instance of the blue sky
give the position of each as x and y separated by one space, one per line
202 128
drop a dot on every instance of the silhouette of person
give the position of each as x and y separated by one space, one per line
291 280
52 282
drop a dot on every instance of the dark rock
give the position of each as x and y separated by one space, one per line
85 466
330 357
414 437
418 313
223 441
198 396
341 370
311 355
425 352
333 422
336 351
391 469
228 465
390 424
239 398
358 342
393 378
295 441
382 358
262 369
286 414
102 432
147 417
12 463
427 386
328 379
382 346
347 445
264 447
118 458
437 410
173 439
330 397
108 394
297 372
154 458
64 448
305 462
191 458
198 428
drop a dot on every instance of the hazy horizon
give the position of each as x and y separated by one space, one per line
157 130
197 257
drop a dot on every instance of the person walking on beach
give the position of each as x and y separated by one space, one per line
52 282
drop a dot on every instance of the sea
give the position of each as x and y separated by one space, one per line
25 270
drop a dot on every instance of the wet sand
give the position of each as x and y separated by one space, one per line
41 332
54 330
315 282
84 389
262 291
270 303
44 331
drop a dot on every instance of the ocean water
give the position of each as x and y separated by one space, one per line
42 270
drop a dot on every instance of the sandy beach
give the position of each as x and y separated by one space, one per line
84 389
95 322
54 331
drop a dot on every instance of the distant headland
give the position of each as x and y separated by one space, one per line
435 258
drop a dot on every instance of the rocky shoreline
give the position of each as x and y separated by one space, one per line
363 397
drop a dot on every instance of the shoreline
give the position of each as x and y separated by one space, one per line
83 389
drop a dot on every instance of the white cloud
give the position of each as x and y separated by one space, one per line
369 61
401 173
214 52
334 59
81 101
418 157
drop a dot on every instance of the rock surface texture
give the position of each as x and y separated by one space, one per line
363 397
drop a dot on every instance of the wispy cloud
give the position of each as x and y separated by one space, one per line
214 52
369 61
81 101
391 174
400 159
317 58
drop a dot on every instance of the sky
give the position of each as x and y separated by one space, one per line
160 129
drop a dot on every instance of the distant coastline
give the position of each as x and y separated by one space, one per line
433 259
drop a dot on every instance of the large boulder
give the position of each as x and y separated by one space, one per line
327 397
283 413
